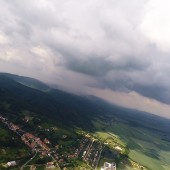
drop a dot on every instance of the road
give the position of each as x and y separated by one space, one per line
28 161
56 162
99 158
89 148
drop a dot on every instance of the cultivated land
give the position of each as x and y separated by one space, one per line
145 146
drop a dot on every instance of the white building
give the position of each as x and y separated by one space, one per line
118 148
109 166
12 163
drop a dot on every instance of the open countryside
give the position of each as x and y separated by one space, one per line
42 134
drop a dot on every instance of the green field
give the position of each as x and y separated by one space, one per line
146 147
10 146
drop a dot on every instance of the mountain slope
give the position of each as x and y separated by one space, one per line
69 109
20 97
27 81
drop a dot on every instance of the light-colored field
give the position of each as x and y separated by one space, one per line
145 147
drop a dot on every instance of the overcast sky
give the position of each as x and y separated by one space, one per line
116 49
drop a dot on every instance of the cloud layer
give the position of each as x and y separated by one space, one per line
117 45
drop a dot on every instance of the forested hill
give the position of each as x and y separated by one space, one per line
19 93
65 108
27 81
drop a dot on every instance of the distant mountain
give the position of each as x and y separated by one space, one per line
19 93
62 107
27 81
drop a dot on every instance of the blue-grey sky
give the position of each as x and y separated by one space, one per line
118 50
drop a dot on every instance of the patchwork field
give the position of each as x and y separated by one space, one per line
146 147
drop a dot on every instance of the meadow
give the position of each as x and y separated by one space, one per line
146 147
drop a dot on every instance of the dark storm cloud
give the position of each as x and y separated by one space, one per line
156 92
108 41
100 66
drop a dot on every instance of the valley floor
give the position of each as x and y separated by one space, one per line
50 147
145 146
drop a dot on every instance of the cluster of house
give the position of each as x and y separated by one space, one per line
89 149
10 125
2 118
83 142
34 142
92 155
12 163
50 165
109 166
77 150
29 139
13 126
85 149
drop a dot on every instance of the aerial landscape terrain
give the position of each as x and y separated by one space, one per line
42 127
84 85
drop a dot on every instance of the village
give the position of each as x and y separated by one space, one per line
86 148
